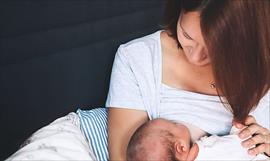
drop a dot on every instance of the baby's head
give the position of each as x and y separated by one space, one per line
159 139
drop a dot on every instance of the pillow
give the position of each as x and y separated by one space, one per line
94 126
60 140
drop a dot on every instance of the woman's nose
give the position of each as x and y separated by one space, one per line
197 54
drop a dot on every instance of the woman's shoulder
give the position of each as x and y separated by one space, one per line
147 44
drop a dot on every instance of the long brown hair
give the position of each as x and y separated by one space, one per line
237 35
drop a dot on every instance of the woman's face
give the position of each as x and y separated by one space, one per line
191 39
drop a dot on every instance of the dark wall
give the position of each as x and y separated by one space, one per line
56 56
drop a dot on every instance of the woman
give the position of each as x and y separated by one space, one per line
209 66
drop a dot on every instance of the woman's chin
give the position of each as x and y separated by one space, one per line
200 61
204 63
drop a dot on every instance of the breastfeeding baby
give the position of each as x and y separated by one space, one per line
163 140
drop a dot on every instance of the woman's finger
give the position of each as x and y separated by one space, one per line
238 125
260 149
257 139
264 131
250 130
250 120
253 129
267 139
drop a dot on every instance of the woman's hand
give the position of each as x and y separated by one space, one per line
259 141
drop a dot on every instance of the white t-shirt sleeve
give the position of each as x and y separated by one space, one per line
124 91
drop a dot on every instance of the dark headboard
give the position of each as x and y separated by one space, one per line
56 56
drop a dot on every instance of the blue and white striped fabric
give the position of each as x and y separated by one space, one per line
94 126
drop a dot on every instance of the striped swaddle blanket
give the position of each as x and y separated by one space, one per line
94 126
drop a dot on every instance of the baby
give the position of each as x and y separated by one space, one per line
160 139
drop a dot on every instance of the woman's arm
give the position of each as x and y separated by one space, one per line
122 123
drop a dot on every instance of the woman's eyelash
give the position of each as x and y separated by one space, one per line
187 36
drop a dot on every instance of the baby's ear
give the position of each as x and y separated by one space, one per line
181 149
180 146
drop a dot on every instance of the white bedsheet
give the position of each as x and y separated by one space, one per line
60 140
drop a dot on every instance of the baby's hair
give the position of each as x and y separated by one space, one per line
137 151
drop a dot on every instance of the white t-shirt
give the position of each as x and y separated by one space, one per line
136 84
226 147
